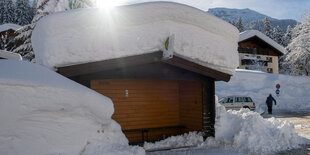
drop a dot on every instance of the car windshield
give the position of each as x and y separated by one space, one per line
222 100
247 99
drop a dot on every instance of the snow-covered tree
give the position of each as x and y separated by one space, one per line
1 11
44 7
277 35
23 12
297 60
239 25
287 36
3 40
8 15
267 27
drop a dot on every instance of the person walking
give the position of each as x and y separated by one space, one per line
269 101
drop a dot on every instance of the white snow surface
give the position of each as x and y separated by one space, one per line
252 33
294 90
242 132
88 35
43 112
10 55
8 26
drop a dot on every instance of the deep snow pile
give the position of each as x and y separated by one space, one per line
43 112
249 131
294 91
242 130
88 35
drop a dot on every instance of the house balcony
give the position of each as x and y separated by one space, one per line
252 51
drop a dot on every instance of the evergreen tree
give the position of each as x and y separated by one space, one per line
24 34
267 28
73 4
234 23
297 59
43 8
8 15
1 11
277 35
23 12
239 25
287 36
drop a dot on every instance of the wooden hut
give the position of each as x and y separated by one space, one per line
158 65
153 97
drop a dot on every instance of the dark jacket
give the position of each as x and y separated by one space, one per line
269 101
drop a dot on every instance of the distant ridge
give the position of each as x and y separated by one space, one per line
251 19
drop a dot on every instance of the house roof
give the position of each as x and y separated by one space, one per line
8 26
176 60
91 35
254 33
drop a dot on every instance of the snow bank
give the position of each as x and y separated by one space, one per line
88 35
188 139
244 131
249 131
294 91
42 112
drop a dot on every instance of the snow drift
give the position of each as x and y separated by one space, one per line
43 112
88 35
294 91
242 132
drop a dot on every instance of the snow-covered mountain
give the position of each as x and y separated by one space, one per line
251 19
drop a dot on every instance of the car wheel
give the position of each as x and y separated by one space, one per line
247 107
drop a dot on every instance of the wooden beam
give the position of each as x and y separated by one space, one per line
194 67
111 64
118 63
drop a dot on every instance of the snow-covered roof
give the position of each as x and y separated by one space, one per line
89 35
10 55
252 33
8 26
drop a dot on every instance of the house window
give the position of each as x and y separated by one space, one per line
269 70
246 67
269 59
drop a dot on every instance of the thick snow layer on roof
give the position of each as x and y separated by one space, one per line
10 55
88 35
251 33
43 112
294 90
8 26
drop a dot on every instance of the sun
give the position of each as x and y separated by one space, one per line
107 4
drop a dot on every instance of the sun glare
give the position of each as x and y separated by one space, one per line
107 4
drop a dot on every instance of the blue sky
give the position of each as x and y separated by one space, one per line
280 9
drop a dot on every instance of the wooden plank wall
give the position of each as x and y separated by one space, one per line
150 103
190 105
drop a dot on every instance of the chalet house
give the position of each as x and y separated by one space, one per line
258 52
7 34
158 65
